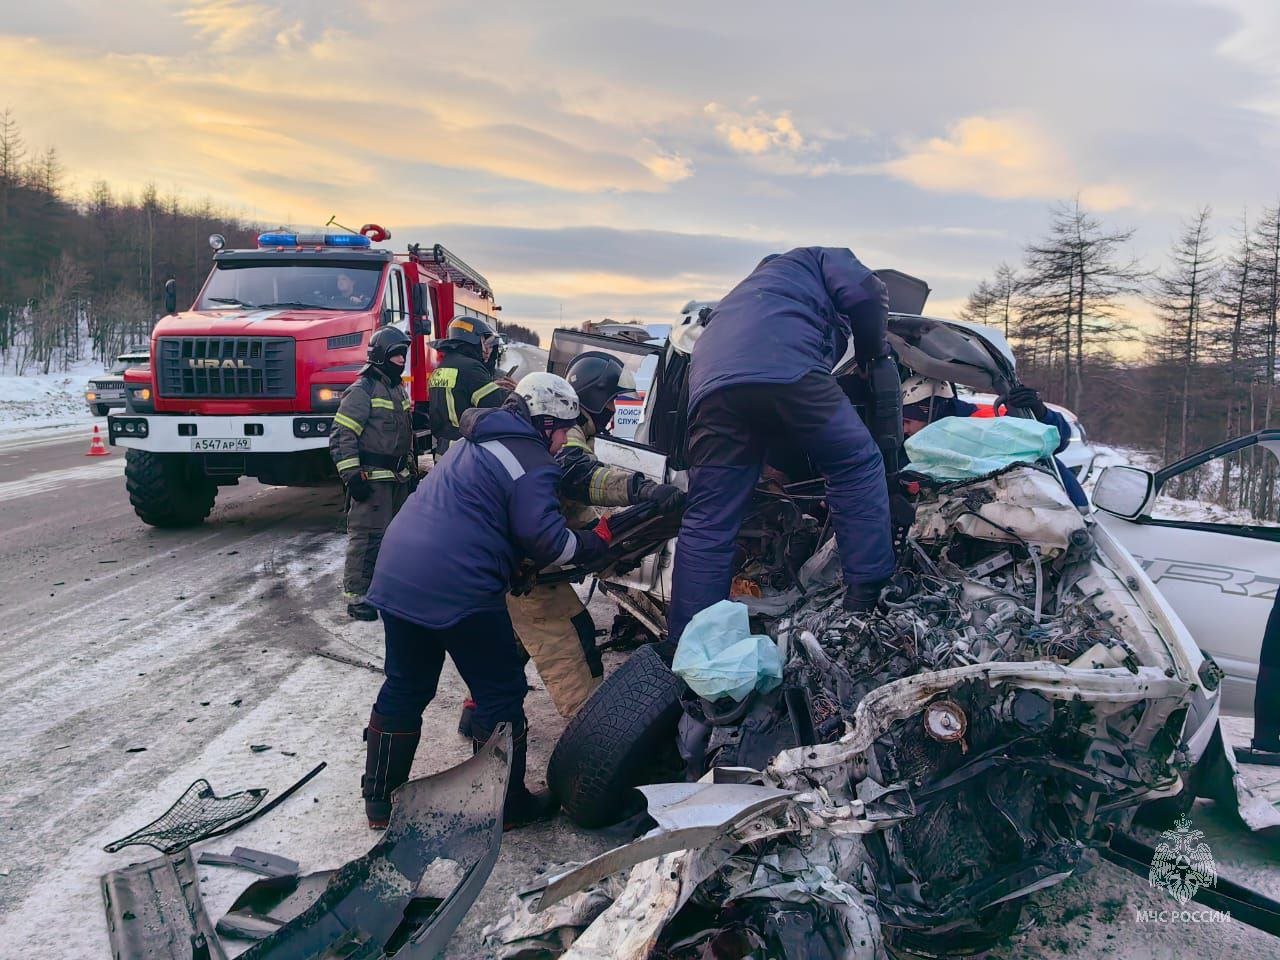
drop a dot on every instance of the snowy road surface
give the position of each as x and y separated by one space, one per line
135 661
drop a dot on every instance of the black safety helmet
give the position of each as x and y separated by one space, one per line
472 330
387 343
597 378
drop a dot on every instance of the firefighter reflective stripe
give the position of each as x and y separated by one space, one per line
576 443
384 404
595 489
483 392
446 377
342 420
381 475
350 463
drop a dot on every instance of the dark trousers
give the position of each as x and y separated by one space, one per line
1266 697
367 523
482 647
729 434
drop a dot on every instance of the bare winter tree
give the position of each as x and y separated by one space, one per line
1005 286
1182 300
1071 291
981 305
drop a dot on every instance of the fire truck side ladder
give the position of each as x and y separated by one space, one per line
453 268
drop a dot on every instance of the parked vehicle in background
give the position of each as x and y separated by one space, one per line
1193 525
246 382
106 393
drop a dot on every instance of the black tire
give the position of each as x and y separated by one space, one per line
101 409
165 491
615 741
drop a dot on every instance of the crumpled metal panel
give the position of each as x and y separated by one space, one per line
895 701
453 817
154 911
688 815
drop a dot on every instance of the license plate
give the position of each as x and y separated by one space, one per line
220 445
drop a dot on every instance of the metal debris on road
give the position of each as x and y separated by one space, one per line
193 816
154 912
257 861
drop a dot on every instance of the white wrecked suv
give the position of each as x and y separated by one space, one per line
935 762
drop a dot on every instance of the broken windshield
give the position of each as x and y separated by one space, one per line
300 285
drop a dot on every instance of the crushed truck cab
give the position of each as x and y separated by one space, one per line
247 381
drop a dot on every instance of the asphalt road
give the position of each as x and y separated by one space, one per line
134 661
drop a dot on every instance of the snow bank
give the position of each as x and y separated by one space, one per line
31 403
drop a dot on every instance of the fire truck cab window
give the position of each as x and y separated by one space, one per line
393 303
299 284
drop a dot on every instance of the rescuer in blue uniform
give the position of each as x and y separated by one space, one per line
760 376
489 502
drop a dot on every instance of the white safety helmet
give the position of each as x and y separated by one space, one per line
550 396
920 389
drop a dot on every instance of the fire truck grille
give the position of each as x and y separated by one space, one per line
226 367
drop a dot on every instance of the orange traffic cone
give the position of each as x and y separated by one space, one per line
96 447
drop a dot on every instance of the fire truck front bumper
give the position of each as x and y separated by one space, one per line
176 433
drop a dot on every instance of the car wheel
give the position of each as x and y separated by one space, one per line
620 738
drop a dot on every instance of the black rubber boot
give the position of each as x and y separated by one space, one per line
522 807
361 611
464 719
389 750
862 597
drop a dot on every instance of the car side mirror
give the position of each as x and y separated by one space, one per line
1126 492
170 296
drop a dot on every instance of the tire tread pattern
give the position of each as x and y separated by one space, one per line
609 744
158 494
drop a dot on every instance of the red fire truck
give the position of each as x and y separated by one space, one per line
246 382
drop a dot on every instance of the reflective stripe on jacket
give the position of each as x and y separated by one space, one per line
586 482
373 430
461 382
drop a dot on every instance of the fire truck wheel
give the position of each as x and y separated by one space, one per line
164 491
617 741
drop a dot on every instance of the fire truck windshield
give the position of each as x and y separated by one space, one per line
300 284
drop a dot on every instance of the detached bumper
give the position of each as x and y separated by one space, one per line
172 433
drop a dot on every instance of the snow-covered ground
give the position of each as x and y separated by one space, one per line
39 403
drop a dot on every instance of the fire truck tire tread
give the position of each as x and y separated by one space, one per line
163 492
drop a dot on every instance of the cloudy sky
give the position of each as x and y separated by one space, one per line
602 159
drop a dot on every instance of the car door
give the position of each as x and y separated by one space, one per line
1209 538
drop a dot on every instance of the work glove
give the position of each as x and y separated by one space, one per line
668 497
1028 397
359 487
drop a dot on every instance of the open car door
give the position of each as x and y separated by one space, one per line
1206 531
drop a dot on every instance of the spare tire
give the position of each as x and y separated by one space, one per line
617 741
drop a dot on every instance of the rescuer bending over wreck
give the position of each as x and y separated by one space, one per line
488 503
761 377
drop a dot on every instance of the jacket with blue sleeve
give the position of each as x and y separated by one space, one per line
795 314
489 503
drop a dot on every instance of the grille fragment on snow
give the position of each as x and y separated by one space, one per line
195 814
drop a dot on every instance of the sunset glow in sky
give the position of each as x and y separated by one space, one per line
603 159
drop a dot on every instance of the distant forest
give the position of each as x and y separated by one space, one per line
83 277
1207 371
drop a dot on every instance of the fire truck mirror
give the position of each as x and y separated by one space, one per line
418 293
170 296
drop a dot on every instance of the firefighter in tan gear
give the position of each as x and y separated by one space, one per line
464 378
553 626
372 447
